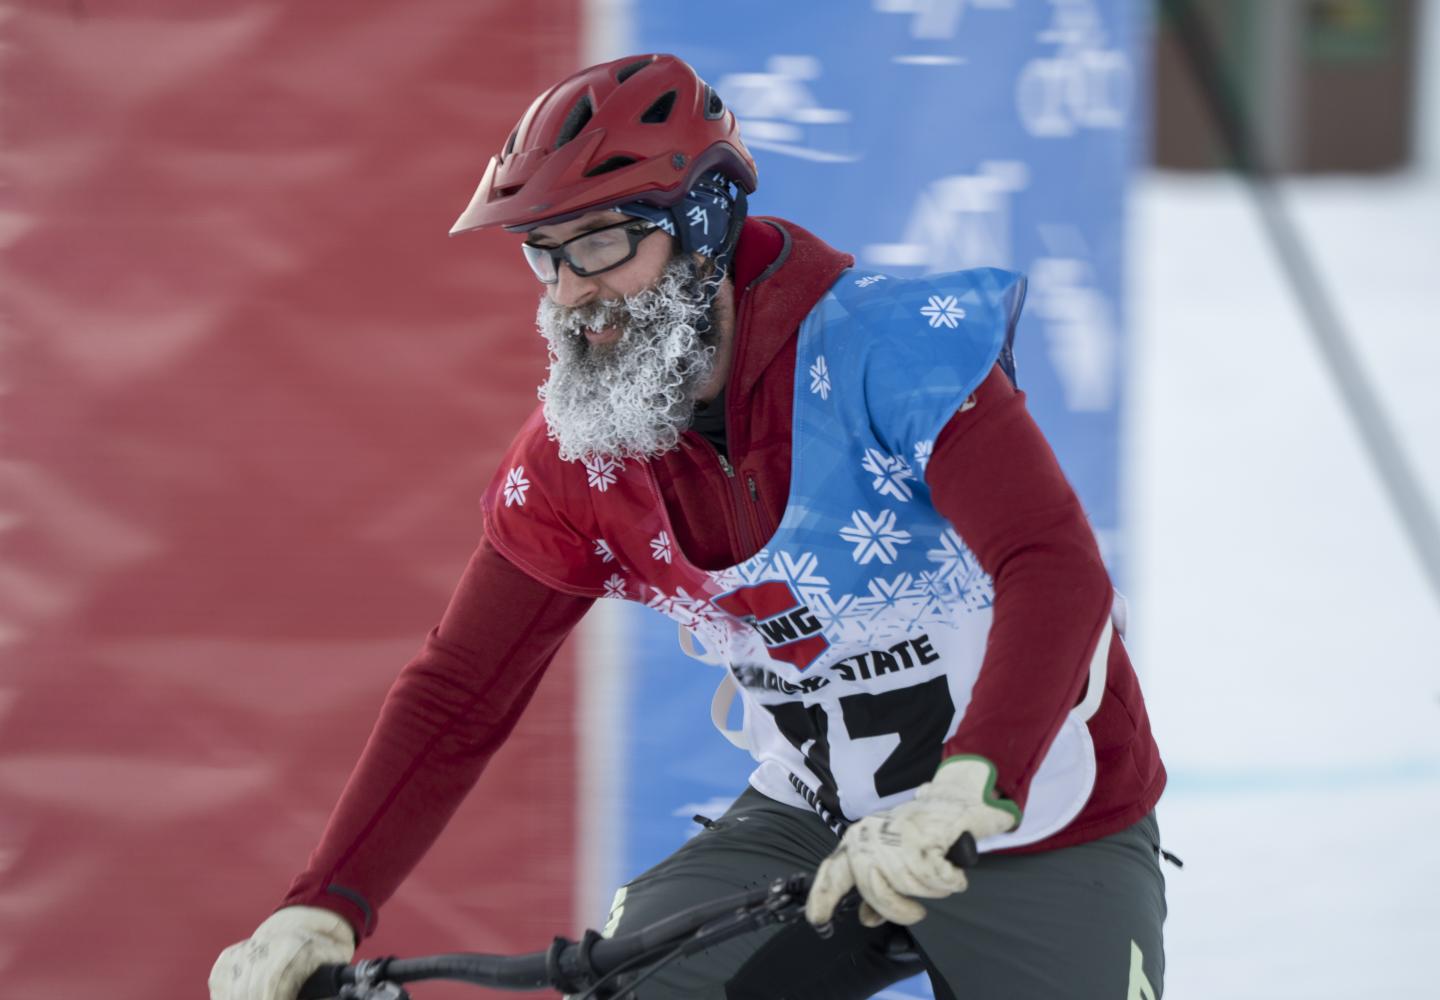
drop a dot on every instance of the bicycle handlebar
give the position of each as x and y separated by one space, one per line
564 959
573 966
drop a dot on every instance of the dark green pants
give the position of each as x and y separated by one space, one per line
1082 922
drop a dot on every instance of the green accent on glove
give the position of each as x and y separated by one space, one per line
989 795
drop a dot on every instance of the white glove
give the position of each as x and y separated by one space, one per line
281 954
898 854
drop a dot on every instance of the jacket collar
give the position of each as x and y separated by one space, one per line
781 271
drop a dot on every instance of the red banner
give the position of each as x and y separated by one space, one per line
252 394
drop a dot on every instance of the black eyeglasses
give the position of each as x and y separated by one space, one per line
590 253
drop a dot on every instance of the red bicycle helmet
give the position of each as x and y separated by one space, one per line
639 128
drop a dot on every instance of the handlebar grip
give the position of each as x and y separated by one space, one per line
326 982
963 853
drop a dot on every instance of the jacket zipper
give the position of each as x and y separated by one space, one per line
747 514
737 502
754 508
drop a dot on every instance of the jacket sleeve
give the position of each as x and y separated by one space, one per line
448 712
994 477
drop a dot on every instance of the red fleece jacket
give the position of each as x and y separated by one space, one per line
991 474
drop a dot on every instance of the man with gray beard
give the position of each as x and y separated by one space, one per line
828 478
634 397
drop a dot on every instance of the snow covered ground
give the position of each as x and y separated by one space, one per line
1287 639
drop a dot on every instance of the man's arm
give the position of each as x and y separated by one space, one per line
446 715
994 477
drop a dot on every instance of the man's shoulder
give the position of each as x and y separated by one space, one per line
776 253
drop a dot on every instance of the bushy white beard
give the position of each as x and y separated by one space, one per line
632 398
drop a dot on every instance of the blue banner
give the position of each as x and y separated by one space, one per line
923 136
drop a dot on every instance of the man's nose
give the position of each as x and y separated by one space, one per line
570 289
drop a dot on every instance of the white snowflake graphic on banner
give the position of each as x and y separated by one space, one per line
615 586
943 312
602 549
874 536
922 453
820 378
781 109
869 280
892 474
660 547
600 471
515 486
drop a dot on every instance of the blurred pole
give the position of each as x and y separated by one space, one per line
603 638
1277 34
1334 343
1427 108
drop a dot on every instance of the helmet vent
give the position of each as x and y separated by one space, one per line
630 69
579 115
614 163
714 107
510 145
660 110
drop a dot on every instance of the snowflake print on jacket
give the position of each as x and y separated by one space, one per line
515 486
600 471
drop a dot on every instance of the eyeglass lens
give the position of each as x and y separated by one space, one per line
588 253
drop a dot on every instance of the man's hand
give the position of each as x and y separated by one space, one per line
898 855
281 955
